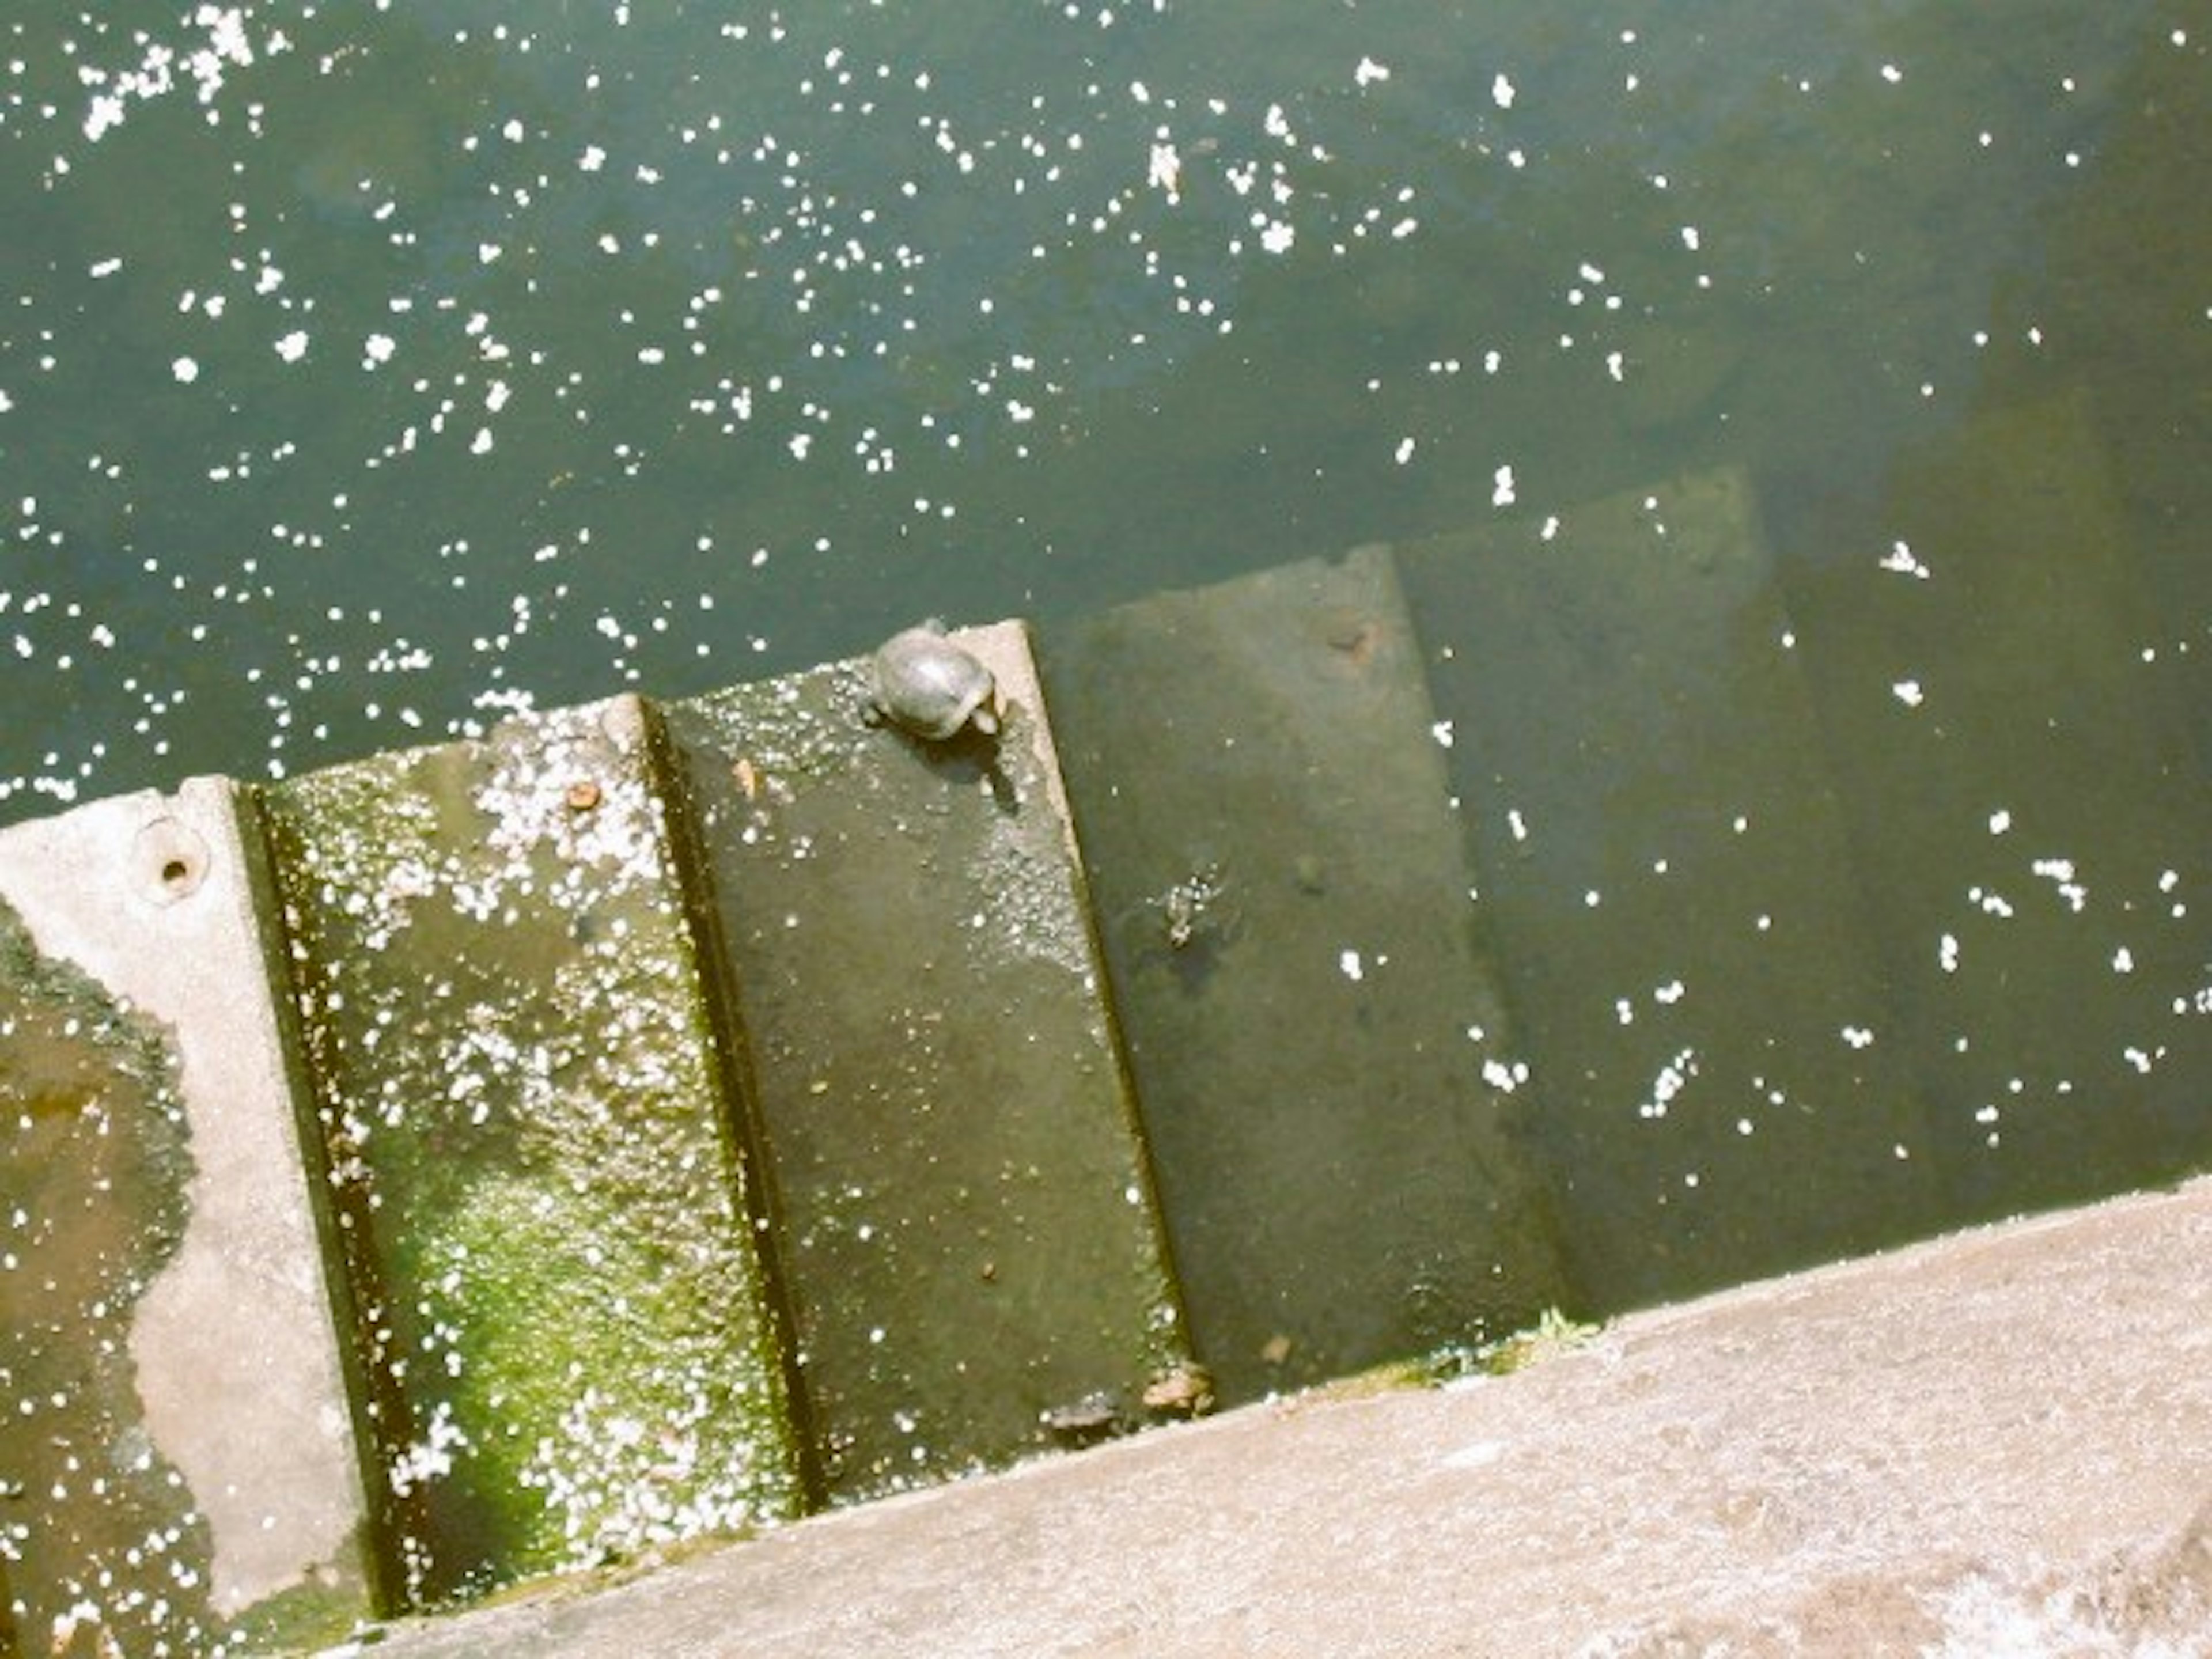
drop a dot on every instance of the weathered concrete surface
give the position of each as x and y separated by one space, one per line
1996 1443
565 1327
169 1362
1313 1017
1668 872
963 1211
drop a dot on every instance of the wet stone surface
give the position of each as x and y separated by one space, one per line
2029 813
1314 1022
1668 869
157 1120
963 1206
100 1541
563 1320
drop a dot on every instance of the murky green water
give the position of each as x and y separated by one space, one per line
364 371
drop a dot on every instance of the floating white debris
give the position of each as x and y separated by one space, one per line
1165 172
2060 872
1505 1078
1900 558
1673 1076
1909 693
1349 963
1501 92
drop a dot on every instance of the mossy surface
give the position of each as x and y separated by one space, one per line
563 1322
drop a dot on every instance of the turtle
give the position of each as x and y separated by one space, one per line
922 682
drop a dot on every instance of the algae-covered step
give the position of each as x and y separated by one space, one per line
178 1466
961 1202
563 1320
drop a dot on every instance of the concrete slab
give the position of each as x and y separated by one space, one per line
175 1433
1998 1443
2030 810
1668 873
564 1326
1313 1019
962 1208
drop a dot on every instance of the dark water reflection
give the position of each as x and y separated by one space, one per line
441 360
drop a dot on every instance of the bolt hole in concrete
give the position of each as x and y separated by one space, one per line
172 859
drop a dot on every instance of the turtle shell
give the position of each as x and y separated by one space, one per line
929 686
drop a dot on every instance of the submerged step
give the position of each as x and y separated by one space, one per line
2031 810
1313 1020
961 1201
1666 867
177 1472
563 1320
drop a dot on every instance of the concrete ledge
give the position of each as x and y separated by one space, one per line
200 1403
2000 1442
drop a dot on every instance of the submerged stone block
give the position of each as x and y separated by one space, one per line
2029 809
962 1209
564 1323
1313 1017
1667 869
178 1467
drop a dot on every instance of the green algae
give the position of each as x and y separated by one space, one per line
561 1318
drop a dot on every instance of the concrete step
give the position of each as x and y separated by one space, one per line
563 1320
1314 1019
2028 808
178 1448
1666 871
960 1200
